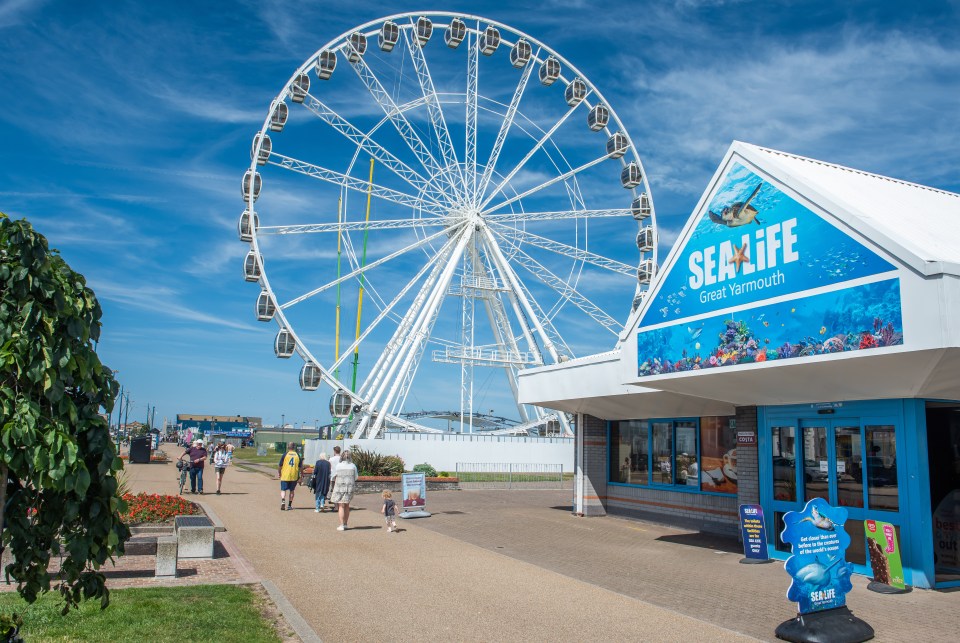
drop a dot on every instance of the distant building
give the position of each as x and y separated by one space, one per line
239 425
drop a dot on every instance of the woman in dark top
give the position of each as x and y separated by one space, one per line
321 472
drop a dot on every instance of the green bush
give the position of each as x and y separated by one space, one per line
371 463
426 469
443 474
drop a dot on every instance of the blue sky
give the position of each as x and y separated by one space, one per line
126 127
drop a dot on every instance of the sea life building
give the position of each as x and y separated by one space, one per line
801 341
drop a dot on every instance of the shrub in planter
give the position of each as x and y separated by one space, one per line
426 469
371 463
443 474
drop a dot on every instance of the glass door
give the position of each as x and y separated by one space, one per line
818 458
850 462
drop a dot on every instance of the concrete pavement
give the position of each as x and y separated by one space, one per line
515 565
366 584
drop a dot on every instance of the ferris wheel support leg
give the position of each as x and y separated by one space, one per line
525 328
415 336
519 292
426 317
500 325
396 343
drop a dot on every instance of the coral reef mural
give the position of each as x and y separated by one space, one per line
851 319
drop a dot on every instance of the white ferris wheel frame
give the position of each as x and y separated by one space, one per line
390 375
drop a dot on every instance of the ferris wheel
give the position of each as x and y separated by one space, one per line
435 203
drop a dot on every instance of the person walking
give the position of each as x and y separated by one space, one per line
389 510
221 459
321 482
288 470
196 455
334 461
345 479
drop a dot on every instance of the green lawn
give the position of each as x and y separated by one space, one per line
249 454
221 613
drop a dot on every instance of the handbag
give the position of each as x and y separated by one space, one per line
312 482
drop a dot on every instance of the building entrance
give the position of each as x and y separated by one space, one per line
849 461
943 446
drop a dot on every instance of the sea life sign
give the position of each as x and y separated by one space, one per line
818 566
761 277
884 553
754 532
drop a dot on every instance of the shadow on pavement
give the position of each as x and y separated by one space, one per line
704 541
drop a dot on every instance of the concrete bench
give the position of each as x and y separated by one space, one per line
166 556
194 535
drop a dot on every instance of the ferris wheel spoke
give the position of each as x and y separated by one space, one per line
556 215
365 142
402 125
355 184
473 54
363 269
347 226
566 291
540 143
505 126
437 120
514 236
560 177
385 310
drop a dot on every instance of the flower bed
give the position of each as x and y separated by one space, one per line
156 456
154 508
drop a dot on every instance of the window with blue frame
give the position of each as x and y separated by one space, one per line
696 454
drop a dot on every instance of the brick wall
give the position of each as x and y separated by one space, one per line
748 471
593 463
702 512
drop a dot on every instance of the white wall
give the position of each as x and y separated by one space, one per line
443 452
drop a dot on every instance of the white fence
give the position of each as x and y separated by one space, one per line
444 451
502 475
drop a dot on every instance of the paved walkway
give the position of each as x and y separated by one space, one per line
496 565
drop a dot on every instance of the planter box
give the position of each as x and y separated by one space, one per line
376 484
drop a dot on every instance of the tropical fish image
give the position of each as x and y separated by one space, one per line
823 329
738 213
694 332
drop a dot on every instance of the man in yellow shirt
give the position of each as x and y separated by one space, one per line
288 470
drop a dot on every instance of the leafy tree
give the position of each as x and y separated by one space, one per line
57 460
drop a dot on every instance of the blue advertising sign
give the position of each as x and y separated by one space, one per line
821 574
754 532
762 277
752 243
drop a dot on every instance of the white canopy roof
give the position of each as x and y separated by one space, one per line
918 225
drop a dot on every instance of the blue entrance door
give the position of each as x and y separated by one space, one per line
848 461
